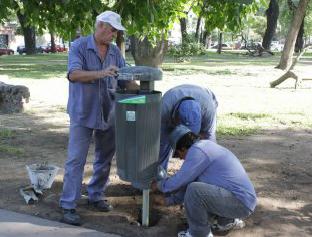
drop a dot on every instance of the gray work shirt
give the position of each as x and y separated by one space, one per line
204 96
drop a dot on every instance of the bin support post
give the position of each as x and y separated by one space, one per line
145 207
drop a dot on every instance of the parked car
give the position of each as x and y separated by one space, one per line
251 45
21 49
224 46
276 46
59 48
4 50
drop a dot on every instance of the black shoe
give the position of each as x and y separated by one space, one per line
102 206
71 217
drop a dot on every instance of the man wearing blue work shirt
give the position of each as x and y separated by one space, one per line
92 65
192 106
212 184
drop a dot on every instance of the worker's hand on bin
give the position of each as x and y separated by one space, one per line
154 187
159 200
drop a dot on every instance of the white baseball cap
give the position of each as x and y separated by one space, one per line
112 18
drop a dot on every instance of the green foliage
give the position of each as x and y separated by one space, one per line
286 15
228 15
151 18
183 52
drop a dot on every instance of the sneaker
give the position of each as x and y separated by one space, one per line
102 206
235 225
186 233
71 217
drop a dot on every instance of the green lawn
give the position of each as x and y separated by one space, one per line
41 66
49 66
45 66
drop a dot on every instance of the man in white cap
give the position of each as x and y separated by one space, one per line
92 65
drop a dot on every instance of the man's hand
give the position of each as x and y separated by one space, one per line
159 200
132 85
154 187
111 71
203 136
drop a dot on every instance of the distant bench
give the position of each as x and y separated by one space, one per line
13 98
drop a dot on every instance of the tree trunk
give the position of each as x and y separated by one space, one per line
53 47
147 55
206 41
287 54
197 32
220 43
300 40
120 41
183 30
28 32
272 14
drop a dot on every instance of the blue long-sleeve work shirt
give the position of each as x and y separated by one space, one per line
92 104
210 163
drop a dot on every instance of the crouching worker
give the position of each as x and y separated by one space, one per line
212 184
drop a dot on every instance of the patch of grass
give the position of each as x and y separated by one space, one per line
6 133
244 124
176 70
250 116
5 137
223 131
239 124
212 59
11 150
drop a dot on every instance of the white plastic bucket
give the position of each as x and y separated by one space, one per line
42 176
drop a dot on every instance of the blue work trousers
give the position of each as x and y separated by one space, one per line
79 142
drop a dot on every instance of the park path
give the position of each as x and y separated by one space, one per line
14 224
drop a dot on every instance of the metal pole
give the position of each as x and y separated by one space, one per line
145 207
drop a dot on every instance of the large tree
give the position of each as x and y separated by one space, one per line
148 24
24 11
272 14
287 54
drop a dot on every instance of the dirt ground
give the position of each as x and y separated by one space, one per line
277 158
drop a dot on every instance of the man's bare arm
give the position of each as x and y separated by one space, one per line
88 76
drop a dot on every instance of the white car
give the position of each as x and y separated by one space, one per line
275 46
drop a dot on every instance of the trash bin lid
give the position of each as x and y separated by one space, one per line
140 73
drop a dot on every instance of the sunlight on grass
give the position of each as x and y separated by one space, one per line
249 116
34 67
45 66
244 124
11 150
223 131
190 70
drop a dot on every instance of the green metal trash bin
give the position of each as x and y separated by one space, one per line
138 117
